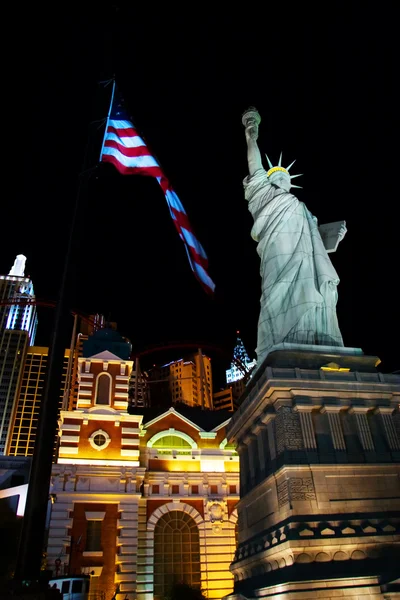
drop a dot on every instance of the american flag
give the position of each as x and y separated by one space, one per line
126 150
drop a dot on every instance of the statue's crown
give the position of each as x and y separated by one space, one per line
274 169
279 167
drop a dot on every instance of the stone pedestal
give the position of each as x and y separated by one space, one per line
319 514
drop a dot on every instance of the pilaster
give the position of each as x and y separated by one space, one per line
363 429
249 440
263 457
335 426
242 450
385 414
306 424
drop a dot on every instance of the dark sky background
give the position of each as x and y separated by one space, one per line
324 81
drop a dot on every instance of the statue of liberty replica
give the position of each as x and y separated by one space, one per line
299 282
318 428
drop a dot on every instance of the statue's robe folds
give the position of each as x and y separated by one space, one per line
299 283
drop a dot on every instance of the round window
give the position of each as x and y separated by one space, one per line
99 439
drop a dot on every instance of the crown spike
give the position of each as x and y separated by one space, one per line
294 176
296 186
280 160
269 162
291 165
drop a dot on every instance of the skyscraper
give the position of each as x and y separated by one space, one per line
18 323
184 380
21 439
241 365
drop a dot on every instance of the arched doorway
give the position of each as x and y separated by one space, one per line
176 552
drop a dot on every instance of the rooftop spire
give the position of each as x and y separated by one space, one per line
18 268
239 352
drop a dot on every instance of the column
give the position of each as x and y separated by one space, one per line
61 521
335 427
268 420
306 425
257 430
363 429
250 440
385 414
127 547
144 557
244 467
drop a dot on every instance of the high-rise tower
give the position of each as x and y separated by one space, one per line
18 322
240 366
184 380
22 436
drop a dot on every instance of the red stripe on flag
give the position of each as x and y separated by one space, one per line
123 132
165 184
192 249
127 151
150 171
181 218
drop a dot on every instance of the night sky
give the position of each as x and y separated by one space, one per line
324 84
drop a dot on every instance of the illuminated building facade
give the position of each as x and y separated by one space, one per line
143 498
18 322
319 442
22 436
223 400
188 381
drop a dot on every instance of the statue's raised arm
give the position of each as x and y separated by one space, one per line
251 120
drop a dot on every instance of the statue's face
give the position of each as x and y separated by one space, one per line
281 179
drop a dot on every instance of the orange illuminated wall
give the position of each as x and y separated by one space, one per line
100 429
101 561
80 432
104 381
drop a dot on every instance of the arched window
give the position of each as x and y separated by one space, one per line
172 438
176 552
171 441
103 389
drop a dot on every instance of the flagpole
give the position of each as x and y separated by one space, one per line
32 539
108 118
